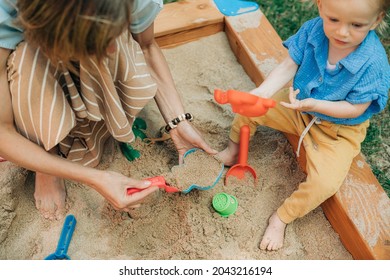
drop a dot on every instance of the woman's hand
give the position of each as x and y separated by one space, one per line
186 137
307 104
113 187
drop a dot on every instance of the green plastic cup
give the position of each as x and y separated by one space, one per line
225 204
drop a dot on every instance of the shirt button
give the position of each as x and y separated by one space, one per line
320 79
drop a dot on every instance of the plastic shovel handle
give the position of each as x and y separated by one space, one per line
244 143
158 181
65 238
66 235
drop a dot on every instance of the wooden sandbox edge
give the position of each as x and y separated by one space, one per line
356 212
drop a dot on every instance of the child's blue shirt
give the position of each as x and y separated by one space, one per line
142 15
362 76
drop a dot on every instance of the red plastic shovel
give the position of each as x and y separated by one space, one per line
238 170
158 181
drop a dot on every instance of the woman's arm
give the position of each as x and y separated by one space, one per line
167 98
18 149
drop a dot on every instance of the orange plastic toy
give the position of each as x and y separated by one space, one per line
241 168
244 103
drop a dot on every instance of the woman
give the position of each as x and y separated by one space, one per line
73 73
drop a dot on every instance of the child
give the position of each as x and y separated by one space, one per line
341 78
72 75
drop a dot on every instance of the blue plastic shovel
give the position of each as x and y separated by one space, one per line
65 238
235 7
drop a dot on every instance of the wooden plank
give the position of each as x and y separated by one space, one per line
187 36
257 48
185 21
360 211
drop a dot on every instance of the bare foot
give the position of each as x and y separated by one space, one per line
274 234
229 156
50 196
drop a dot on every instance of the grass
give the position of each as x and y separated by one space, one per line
287 17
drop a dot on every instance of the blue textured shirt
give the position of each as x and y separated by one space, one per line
142 15
362 76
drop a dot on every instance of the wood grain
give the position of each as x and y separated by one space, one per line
186 21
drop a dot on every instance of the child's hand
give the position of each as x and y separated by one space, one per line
307 104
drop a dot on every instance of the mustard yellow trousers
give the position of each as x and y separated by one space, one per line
330 149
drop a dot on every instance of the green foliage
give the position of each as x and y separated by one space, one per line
287 16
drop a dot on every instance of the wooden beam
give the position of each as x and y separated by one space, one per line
255 45
185 21
360 211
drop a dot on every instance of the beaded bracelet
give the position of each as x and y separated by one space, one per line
173 123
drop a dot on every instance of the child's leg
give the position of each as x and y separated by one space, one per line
329 153
330 150
273 237
327 166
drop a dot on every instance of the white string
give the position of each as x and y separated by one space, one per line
304 134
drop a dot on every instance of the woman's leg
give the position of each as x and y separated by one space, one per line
41 116
50 195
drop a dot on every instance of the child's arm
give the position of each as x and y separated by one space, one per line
336 109
277 79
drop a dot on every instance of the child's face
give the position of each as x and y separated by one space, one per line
347 22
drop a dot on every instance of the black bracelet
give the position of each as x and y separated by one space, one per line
173 123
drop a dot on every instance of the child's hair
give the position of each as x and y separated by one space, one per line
69 30
383 5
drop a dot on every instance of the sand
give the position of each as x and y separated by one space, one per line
176 225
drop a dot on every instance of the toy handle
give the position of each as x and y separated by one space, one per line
66 236
244 143
158 181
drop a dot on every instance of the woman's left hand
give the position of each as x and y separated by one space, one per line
186 137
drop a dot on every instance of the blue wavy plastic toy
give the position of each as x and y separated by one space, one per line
235 7
202 188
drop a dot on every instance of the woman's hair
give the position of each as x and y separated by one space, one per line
70 30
